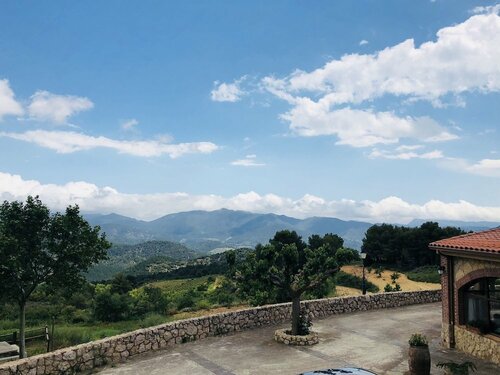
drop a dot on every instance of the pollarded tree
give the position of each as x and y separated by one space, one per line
38 247
286 268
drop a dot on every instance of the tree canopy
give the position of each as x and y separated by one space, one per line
404 247
286 267
38 247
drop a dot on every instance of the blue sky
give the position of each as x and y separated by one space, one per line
370 110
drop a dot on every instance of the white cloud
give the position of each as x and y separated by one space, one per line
92 198
227 92
405 155
363 42
129 124
484 167
463 58
361 128
46 106
249 161
65 142
327 101
8 102
488 9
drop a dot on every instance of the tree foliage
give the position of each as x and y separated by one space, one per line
39 247
404 247
286 267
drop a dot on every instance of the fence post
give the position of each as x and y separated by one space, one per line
14 337
47 337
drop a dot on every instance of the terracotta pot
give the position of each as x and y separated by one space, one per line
419 360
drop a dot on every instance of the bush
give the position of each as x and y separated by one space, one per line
394 277
186 300
111 307
418 339
426 274
346 279
458 368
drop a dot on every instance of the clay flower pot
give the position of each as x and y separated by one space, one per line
419 360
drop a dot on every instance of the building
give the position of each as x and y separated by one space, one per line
470 281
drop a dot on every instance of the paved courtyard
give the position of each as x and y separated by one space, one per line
375 340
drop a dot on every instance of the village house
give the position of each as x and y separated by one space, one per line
470 279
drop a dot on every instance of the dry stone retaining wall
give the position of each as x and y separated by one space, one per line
119 348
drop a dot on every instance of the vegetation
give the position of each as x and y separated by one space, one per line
390 288
418 339
141 259
427 274
39 247
403 247
458 368
287 267
352 281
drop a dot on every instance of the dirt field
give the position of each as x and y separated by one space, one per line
406 284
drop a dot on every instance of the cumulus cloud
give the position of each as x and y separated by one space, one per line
248 161
463 58
66 142
8 103
363 42
361 128
129 124
484 167
227 92
92 198
46 106
405 153
329 100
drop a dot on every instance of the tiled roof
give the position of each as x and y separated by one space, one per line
487 241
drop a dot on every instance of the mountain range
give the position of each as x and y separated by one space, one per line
207 231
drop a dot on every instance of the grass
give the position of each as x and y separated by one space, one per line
426 274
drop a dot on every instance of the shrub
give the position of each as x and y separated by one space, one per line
388 288
111 307
346 279
417 339
394 277
458 368
426 274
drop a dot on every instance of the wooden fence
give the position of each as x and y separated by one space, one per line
31 334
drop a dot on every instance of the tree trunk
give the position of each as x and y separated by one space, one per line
22 329
295 314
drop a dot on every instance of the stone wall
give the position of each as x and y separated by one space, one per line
480 346
119 348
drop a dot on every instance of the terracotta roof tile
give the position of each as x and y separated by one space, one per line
487 241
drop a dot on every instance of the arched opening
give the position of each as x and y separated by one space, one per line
480 304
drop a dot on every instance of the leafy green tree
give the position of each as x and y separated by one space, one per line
39 247
111 307
404 247
149 299
120 284
286 268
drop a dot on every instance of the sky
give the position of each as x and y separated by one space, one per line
365 110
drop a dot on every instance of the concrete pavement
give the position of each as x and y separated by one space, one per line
376 340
